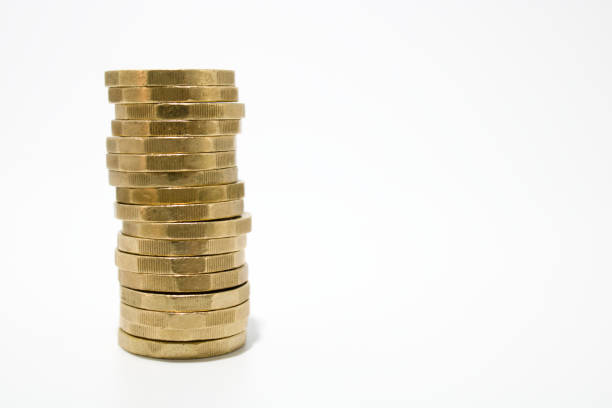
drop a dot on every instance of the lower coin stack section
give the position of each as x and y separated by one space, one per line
181 252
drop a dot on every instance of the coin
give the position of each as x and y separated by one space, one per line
169 77
173 94
170 162
179 212
180 326
195 111
175 350
189 230
179 265
201 144
174 283
174 178
190 302
181 195
171 247
165 128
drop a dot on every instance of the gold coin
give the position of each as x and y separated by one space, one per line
174 178
203 282
179 326
169 77
170 162
143 94
181 195
202 144
188 247
190 302
175 350
195 111
163 128
179 212
189 230
161 265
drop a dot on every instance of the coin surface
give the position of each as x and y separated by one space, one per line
169 128
186 247
169 77
174 178
184 326
189 230
170 162
180 195
195 111
143 94
184 265
190 302
179 212
174 283
201 144
174 350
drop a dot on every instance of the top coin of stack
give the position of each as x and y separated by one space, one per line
172 158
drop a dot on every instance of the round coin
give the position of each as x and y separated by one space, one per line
180 326
164 128
175 350
189 230
191 302
179 212
203 144
190 111
188 247
143 94
180 195
169 77
203 282
170 162
178 265
174 178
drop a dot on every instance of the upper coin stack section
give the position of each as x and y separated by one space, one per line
172 158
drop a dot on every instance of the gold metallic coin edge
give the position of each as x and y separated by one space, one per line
181 265
180 247
174 283
176 93
155 179
168 127
164 195
196 111
172 350
168 77
243 219
170 144
187 302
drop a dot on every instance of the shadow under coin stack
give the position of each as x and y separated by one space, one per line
182 270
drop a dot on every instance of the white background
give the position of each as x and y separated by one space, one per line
430 187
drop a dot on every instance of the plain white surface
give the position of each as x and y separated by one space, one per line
430 187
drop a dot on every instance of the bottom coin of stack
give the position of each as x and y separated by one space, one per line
184 288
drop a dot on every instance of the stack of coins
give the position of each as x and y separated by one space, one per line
180 254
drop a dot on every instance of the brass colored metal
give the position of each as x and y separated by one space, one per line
161 145
175 350
144 94
171 128
174 178
179 212
190 302
162 265
174 283
181 195
175 111
169 77
189 230
188 247
179 326
170 162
